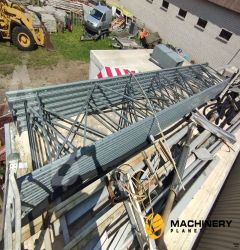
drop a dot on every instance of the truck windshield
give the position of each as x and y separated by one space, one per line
96 14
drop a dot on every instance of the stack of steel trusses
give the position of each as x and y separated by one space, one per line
111 117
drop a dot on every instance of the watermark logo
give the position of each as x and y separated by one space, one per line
194 226
154 226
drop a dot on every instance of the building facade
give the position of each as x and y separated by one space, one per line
206 31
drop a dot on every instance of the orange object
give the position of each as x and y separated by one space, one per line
143 34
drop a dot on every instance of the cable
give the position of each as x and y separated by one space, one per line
164 142
132 195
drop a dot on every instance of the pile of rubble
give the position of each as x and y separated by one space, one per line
69 6
118 23
54 12
49 15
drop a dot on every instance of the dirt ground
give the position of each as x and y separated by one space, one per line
24 77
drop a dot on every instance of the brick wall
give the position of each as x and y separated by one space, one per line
202 46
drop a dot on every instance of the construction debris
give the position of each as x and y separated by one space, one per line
124 38
151 39
69 6
49 22
125 43
118 22
59 14
49 16
55 14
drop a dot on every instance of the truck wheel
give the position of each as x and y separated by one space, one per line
23 39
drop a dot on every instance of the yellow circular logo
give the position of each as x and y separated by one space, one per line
154 226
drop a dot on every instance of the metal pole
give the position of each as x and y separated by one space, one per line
175 183
233 56
6 183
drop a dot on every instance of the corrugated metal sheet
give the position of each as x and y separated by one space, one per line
211 12
227 207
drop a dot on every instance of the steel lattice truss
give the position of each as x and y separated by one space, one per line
84 129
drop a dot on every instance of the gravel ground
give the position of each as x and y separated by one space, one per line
24 77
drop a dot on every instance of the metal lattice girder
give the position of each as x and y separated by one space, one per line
68 98
111 118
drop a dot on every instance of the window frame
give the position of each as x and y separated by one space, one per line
182 17
202 20
221 37
165 2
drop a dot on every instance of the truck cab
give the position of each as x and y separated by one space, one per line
99 19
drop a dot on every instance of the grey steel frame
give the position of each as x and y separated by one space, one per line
118 106
11 214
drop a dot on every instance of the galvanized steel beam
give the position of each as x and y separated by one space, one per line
118 106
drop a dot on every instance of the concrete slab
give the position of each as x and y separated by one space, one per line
136 59
132 59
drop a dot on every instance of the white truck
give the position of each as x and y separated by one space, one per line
98 23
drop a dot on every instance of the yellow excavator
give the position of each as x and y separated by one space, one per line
16 25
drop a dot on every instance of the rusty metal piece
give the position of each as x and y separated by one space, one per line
109 184
5 117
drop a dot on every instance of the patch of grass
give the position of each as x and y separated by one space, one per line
67 47
11 55
70 46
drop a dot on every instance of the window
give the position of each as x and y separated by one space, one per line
202 23
96 14
182 13
165 4
226 35
118 12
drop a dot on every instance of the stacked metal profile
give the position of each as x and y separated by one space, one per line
121 113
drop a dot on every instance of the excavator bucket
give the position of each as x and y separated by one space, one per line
47 43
